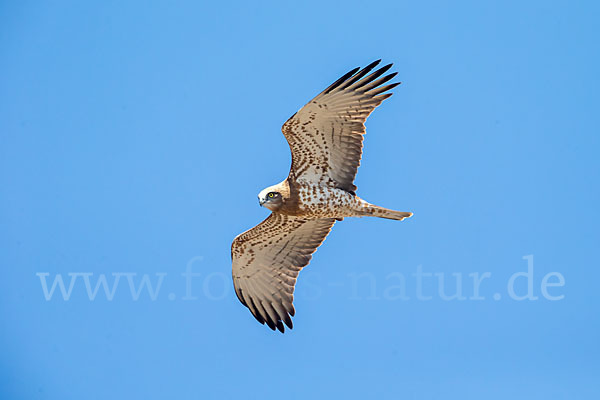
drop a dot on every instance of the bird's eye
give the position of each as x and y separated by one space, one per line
271 194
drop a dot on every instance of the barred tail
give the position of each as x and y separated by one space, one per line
380 212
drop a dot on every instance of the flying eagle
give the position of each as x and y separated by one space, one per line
325 138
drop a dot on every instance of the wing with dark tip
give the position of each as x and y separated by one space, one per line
326 135
267 260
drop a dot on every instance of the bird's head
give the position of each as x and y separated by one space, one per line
271 198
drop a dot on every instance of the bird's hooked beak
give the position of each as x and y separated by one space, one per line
261 201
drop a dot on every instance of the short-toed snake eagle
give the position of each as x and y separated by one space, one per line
325 138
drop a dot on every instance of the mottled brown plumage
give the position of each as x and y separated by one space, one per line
325 138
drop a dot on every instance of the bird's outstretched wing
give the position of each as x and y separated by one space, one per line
326 135
266 262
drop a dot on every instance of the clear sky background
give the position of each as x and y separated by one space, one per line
134 137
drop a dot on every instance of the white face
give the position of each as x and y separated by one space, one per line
270 198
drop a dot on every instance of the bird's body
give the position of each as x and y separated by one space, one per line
310 200
325 138
321 201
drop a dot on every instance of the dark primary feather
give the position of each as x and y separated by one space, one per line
376 75
361 73
341 80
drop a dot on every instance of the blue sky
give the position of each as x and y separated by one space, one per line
135 137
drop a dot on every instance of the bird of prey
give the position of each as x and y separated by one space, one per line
325 138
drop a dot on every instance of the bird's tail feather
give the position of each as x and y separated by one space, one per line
381 212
